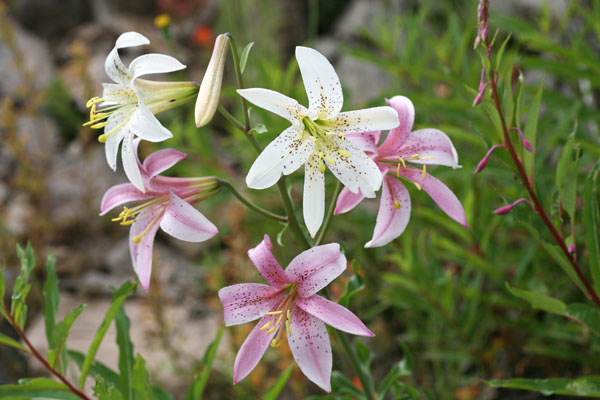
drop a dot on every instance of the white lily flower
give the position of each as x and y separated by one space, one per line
316 138
127 107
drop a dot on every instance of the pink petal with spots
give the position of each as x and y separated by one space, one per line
391 221
246 302
121 194
397 136
333 314
433 147
347 200
266 264
253 348
184 222
310 346
146 224
366 141
440 193
314 268
161 160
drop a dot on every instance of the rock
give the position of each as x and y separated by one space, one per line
365 14
19 215
518 8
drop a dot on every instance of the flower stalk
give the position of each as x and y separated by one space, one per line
251 205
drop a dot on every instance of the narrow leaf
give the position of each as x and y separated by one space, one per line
244 56
539 301
195 391
530 130
140 380
37 388
560 258
60 333
565 158
7 340
590 220
126 359
50 292
275 390
585 386
588 315
97 370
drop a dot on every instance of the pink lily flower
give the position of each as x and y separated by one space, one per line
400 149
167 204
289 303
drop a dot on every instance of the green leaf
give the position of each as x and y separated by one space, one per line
60 333
244 56
7 340
539 301
565 158
97 370
280 234
585 386
501 52
37 388
50 292
568 192
557 254
590 220
530 130
140 380
195 391
117 301
400 370
273 392
126 359
159 393
21 288
341 384
588 315
355 285
258 129
105 390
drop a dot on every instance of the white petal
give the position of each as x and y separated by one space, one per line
113 65
357 171
275 102
369 119
323 88
130 162
117 94
111 148
313 199
145 125
184 222
284 155
153 64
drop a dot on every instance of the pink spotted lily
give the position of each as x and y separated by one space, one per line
394 157
167 203
289 304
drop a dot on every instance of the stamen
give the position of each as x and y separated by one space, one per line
99 125
415 156
274 312
272 329
275 343
138 238
287 325
424 171
93 101
329 159
417 185
344 153
321 163
402 161
265 326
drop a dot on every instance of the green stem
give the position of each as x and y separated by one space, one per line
231 118
366 386
329 215
239 79
250 204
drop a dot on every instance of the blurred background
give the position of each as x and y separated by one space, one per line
439 288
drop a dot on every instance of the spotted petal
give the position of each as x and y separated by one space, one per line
314 268
440 193
310 346
392 217
284 155
246 302
323 88
275 102
146 224
266 264
406 116
153 64
184 222
313 199
429 146
113 65
333 314
346 201
161 160
369 119
366 141
121 194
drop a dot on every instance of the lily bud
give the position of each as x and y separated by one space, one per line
526 142
210 88
506 209
485 159
481 91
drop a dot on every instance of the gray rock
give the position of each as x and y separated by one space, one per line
19 215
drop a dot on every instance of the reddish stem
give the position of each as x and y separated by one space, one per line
40 358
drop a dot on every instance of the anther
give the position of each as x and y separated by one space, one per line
102 138
99 125
265 326
424 171
274 312
329 159
344 153
417 185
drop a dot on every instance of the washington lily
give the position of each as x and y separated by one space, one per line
289 304
316 138
167 204
127 107
401 148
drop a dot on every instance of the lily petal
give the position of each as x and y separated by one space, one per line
246 302
366 141
161 160
369 119
130 162
184 222
145 125
313 199
440 193
393 215
121 194
111 147
266 264
113 65
154 64
117 94
406 116
432 147
284 155
347 200
356 172
310 346
314 268
275 102
333 314
323 88
253 348
146 224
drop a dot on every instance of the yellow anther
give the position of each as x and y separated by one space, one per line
265 326
401 160
329 159
398 171
288 314
287 325
99 125
415 156
321 166
427 158
344 153
417 185
102 138
278 320
100 115
137 239
272 329
93 100
274 312
275 343
424 171
125 223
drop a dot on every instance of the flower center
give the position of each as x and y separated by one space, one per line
323 142
283 312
